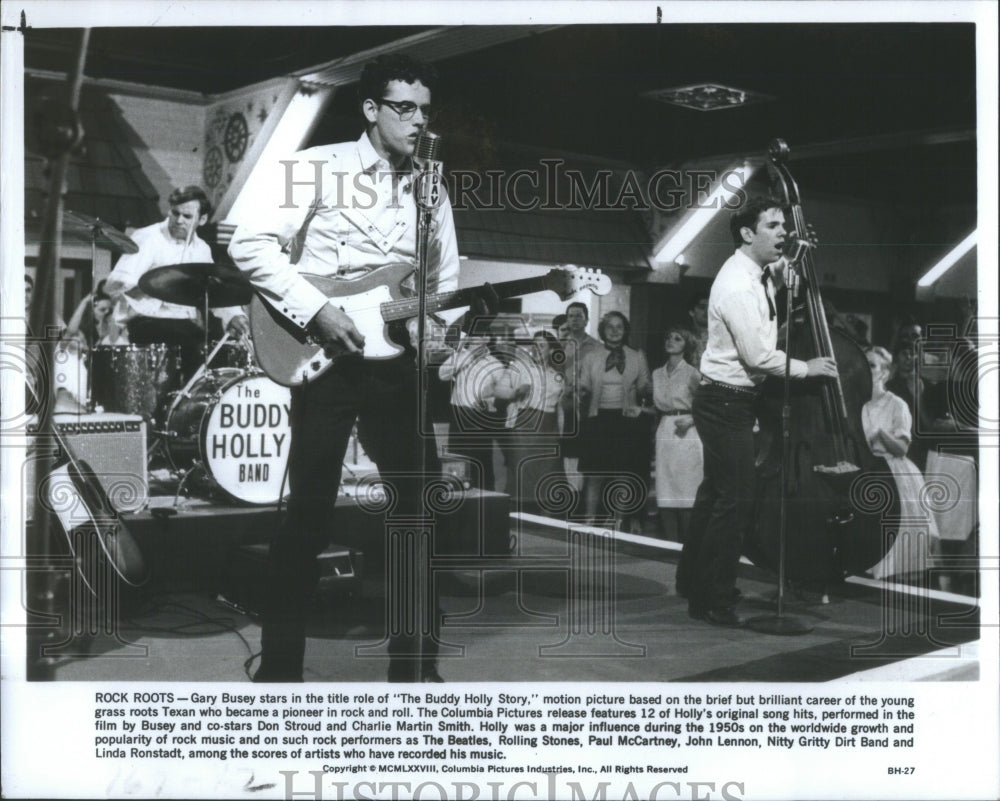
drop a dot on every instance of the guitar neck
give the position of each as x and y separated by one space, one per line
404 308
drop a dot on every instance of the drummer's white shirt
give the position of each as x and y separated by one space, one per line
157 249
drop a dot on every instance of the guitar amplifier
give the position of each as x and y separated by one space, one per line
114 445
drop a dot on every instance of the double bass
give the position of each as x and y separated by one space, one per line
837 494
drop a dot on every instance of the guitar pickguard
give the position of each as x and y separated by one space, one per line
364 309
379 307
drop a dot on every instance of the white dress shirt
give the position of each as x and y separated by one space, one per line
742 337
157 248
335 210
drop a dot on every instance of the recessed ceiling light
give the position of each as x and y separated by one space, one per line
706 96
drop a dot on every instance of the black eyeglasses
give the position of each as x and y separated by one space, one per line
405 109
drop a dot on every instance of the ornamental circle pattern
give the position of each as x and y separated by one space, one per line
872 493
235 139
213 167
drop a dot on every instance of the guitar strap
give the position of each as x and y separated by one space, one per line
297 242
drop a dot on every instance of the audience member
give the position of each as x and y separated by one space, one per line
472 368
887 425
94 320
577 345
561 326
679 461
905 383
613 384
698 313
535 460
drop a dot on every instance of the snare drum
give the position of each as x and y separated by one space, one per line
237 426
135 379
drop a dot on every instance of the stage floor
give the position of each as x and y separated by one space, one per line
565 607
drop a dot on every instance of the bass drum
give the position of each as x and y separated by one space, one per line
237 427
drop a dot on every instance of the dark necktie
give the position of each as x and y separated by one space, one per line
615 360
765 276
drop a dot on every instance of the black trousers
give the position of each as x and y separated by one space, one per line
382 398
724 506
471 435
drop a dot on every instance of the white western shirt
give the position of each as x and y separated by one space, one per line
742 337
335 210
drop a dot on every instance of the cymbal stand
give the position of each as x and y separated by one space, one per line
198 465
205 319
183 393
163 433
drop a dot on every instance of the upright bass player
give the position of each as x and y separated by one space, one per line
741 352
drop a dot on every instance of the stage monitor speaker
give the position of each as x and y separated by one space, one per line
341 571
114 445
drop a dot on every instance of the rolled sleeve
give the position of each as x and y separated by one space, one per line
902 421
797 368
129 269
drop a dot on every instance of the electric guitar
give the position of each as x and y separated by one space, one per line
291 357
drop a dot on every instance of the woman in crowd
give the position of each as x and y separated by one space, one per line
887 426
536 463
94 320
905 383
614 384
679 463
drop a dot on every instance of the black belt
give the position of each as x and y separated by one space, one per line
752 391
673 412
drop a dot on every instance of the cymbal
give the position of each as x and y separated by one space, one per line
93 229
187 284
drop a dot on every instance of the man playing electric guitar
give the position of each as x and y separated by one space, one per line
343 211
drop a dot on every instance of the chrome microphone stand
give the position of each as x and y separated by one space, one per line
427 194
779 622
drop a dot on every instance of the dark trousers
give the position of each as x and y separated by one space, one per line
471 435
723 508
382 398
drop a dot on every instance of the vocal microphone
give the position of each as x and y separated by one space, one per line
428 190
795 247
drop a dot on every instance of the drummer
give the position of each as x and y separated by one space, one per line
172 241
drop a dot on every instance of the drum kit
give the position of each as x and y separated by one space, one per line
227 429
